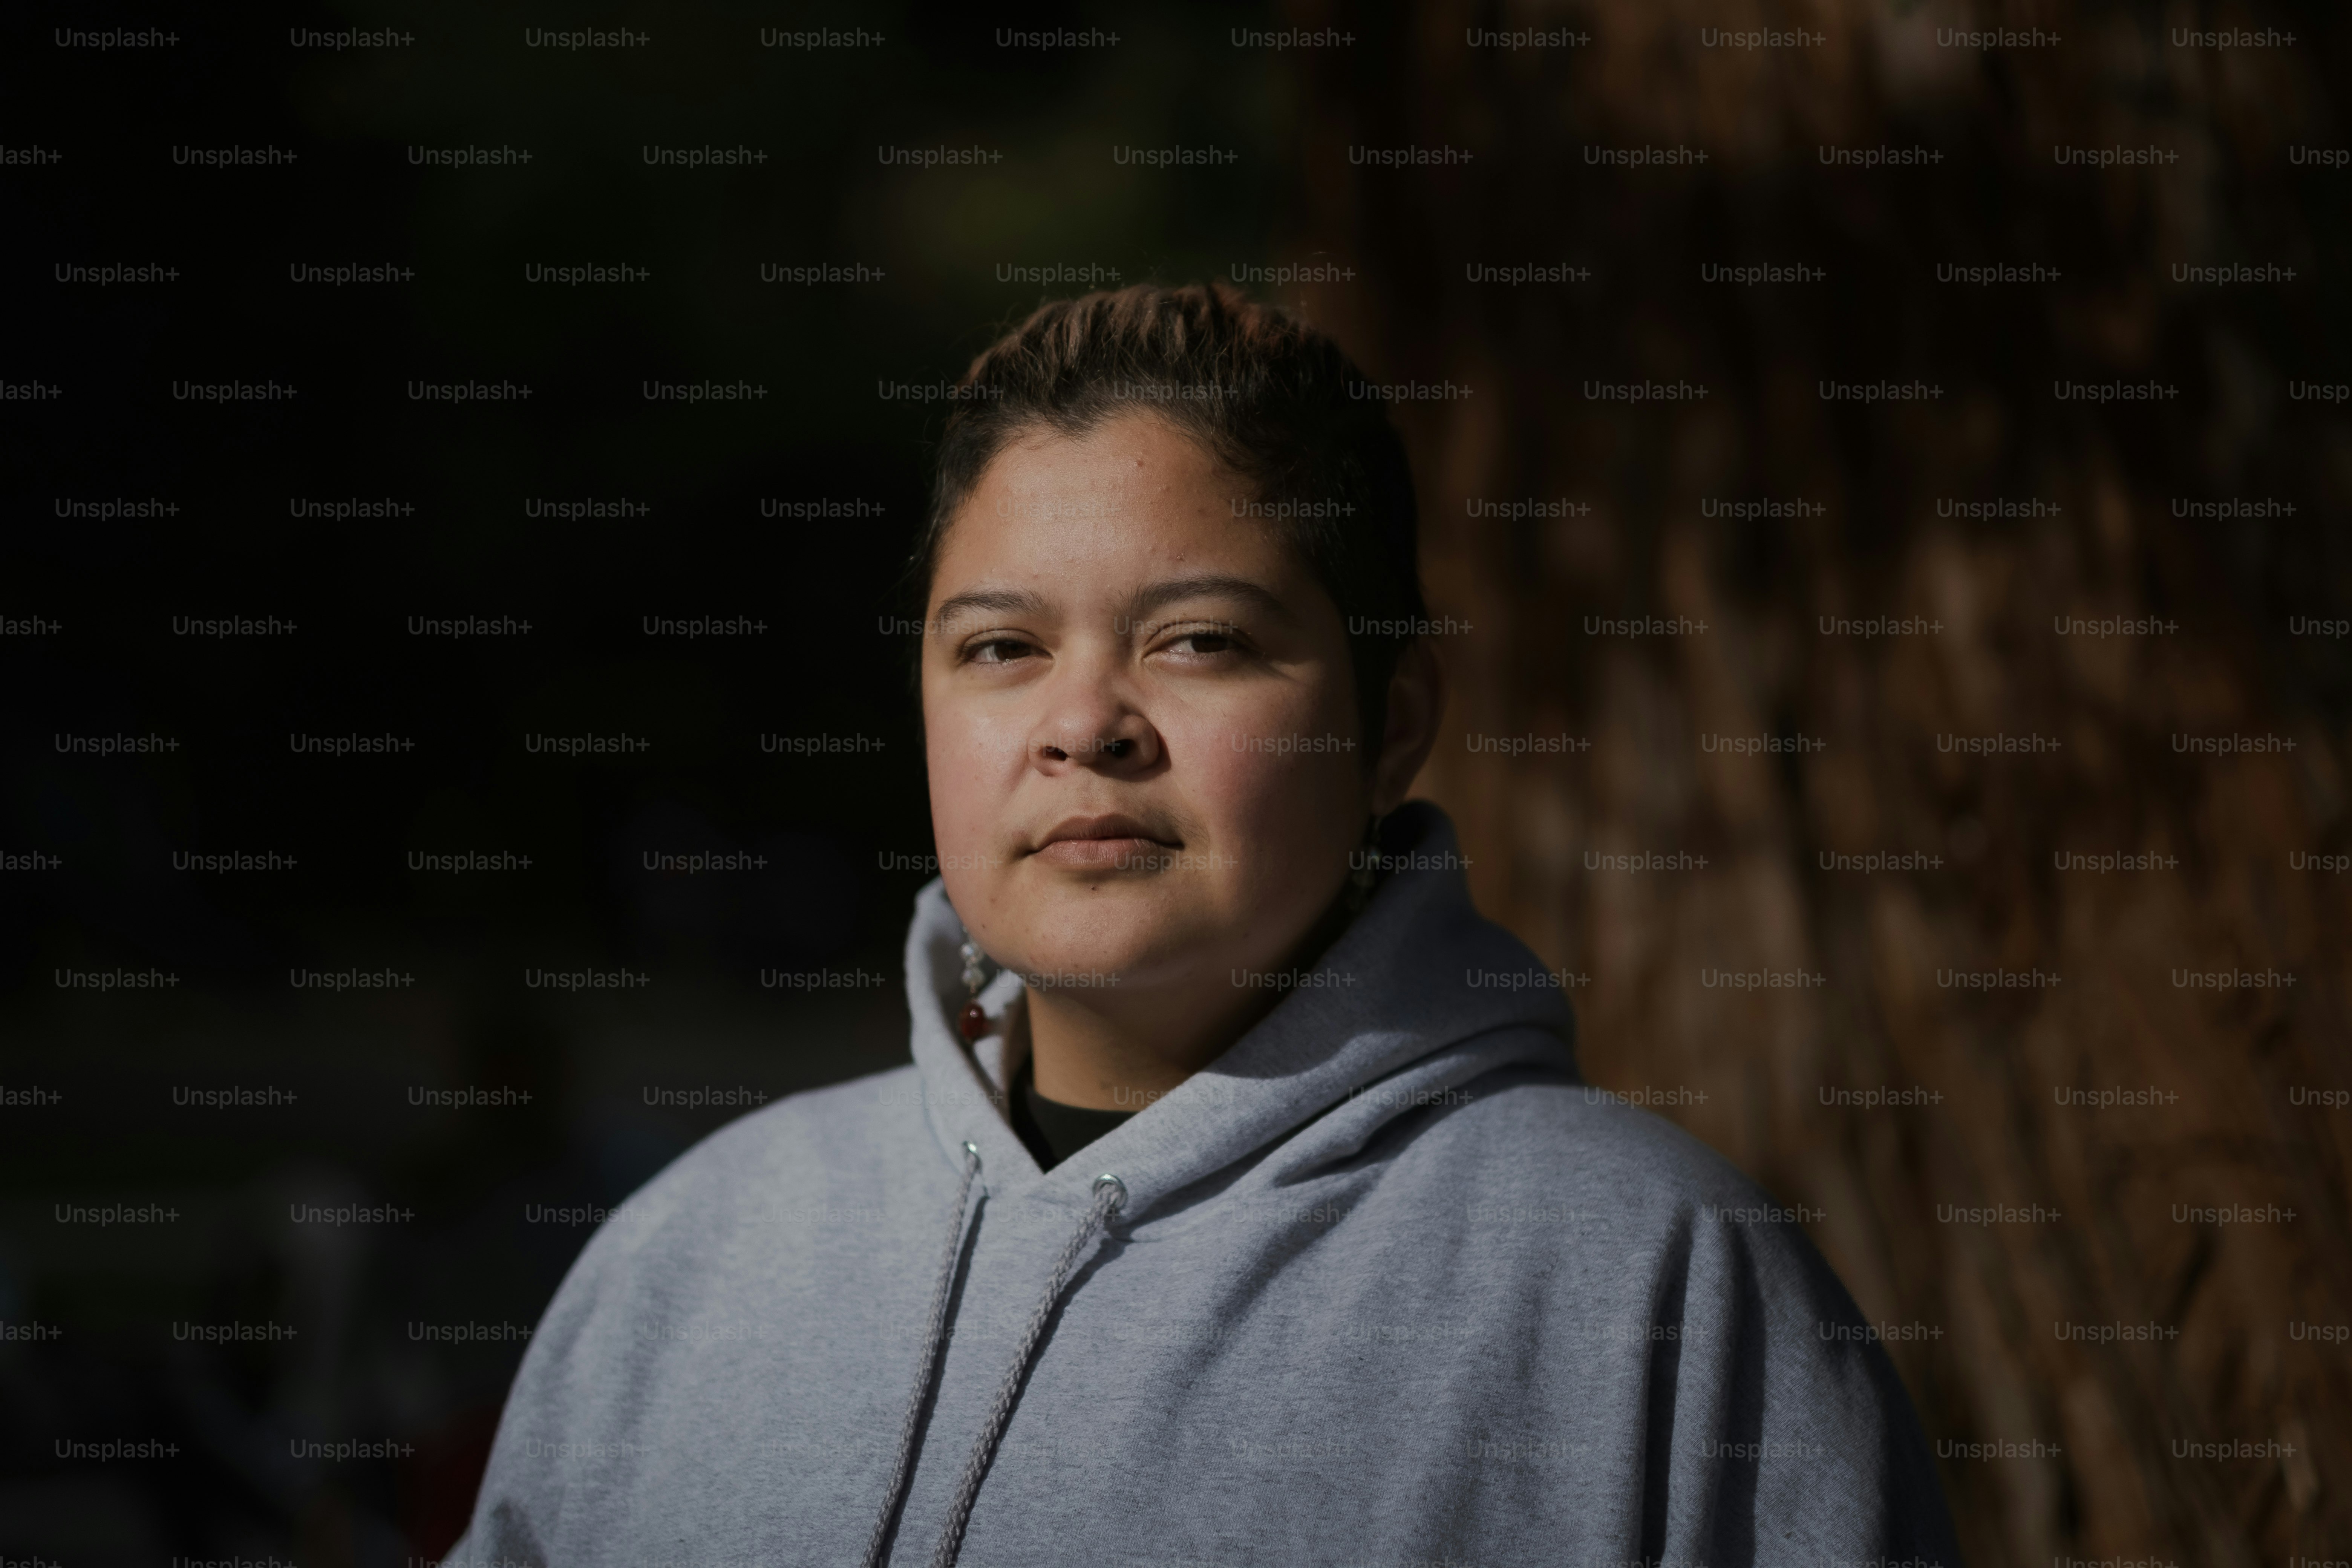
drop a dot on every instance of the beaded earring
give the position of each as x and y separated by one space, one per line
972 1023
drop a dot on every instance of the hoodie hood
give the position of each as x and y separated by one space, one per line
1417 997
1417 994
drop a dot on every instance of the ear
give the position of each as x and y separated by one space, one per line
1416 703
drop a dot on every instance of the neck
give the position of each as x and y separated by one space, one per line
1103 1051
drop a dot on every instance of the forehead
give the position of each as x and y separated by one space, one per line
1132 496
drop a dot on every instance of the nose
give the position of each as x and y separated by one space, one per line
1088 725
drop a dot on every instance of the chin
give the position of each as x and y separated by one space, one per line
1113 928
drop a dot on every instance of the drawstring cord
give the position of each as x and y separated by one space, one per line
926 1371
1111 1192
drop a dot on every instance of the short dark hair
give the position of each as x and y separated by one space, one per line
1272 398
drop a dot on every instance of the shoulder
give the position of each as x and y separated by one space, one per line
835 1128
1640 1236
1525 1130
800 1156
1548 1165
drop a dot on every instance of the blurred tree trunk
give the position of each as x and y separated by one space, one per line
2232 1067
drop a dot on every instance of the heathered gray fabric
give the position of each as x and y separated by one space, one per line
1391 1287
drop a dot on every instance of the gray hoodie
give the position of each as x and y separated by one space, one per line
1385 1284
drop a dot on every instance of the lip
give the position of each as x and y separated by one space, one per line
1099 843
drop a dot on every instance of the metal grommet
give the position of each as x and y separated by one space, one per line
973 1149
1117 1187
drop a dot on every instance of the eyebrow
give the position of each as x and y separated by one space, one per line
1158 596
1152 596
995 600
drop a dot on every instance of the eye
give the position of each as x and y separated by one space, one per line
1214 642
997 651
1202 643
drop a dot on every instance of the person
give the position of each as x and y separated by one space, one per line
1242 1204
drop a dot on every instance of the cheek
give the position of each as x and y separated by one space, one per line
1281 813
968 784
1290 809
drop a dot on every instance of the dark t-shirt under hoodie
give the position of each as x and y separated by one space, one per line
1051 1131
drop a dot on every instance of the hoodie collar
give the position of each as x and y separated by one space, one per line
1417 971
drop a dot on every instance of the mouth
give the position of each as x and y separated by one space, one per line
1102 844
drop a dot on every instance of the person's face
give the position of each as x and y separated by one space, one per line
1139 717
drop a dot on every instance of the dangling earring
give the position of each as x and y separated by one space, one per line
1367 874
974 1021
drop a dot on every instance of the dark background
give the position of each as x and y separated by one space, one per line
87 1111
824 667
